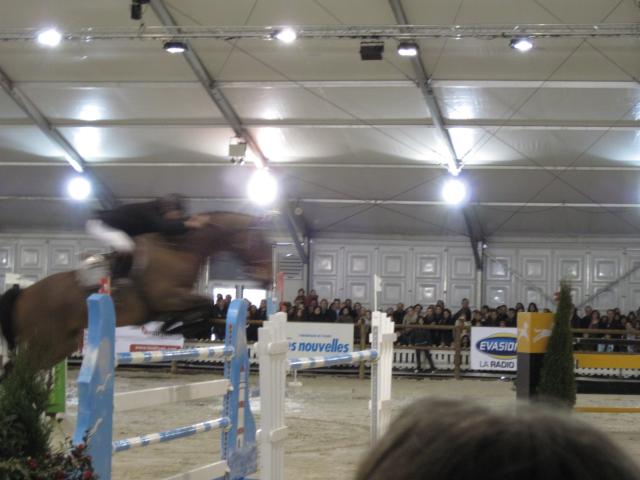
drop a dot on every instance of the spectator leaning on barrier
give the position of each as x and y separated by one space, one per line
628 325
586 320
316 315
398 314
464 309
324 307
334 312
345 316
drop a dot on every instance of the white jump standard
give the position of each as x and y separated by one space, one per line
272 352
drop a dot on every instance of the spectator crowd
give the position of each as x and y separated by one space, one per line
309 308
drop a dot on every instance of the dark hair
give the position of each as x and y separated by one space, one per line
451 440
173 201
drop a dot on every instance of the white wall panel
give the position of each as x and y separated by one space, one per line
633 298
569 266
359 290
61 256
604 298
499 268
393 291
359 263
457 293
7 256
325 262
394 263
428 263
462 267
498 295
31 255
427 293
532 292
423 272
633 263
325 288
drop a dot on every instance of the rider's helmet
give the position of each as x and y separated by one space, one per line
172 202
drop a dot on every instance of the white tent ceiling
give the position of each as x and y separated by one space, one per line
549 140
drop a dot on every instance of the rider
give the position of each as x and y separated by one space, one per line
118 227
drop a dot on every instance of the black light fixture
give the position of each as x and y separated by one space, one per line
136 9
371 50
175 47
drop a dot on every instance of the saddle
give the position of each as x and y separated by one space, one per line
116 265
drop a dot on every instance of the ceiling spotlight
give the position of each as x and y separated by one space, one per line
454 191
262 187
371 50
408 49
175 47
522 44
286 35
79 188
50 37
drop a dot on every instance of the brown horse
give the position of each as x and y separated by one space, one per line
51 315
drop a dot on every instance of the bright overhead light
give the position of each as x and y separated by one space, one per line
262 187
454 191
79 188
522 44
90 113
50 37
286 35
88 141
175 47
408 49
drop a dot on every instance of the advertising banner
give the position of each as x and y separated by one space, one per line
142 339
146 338
310 339
494 348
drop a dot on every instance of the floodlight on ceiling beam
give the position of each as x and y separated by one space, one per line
262 188
49 37
175 47
79 188
454 191
408 49
522 44
285 35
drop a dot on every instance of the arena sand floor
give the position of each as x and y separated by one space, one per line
327 417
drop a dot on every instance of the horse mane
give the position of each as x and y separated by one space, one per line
220 233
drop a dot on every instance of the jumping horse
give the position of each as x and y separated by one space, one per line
50 316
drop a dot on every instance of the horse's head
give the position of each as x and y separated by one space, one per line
236 233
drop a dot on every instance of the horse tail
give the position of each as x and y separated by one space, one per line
7 302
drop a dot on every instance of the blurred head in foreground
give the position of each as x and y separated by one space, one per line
450 440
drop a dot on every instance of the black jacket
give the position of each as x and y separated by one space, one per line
140 218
